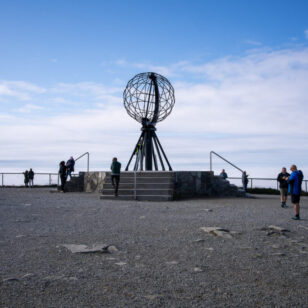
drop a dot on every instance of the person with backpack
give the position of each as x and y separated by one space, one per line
295 187
70 167
115 175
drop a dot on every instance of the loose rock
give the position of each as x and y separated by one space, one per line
100 248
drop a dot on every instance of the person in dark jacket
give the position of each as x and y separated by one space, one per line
244 180
31 177
26 180
223 174
70 164
283 185
62 174
115 175
295 187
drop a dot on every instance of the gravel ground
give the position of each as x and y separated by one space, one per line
164 259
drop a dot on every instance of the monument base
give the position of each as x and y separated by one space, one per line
159 186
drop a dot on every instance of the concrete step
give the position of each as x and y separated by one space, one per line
142 174
141 185
139 198
160 180
139 192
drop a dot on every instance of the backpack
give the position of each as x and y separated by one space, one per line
300 177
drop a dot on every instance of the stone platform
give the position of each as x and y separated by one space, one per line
156 185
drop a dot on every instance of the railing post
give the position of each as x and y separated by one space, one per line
135 185
49 179
211 161
88 166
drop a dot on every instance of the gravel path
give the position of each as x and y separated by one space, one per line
164 258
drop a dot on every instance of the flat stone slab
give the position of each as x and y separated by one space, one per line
221 232
79 248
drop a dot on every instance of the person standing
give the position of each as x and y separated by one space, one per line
31 177
62 174
295 188
26 180
70 164
223 174
115 175
283 185
244 180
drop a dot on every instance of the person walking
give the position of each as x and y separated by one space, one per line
31 177
115 175
62 174
295 187
26 178
70 164
244 180
223 174
283 185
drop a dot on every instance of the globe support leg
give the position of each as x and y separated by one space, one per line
162 150
134 152
146 151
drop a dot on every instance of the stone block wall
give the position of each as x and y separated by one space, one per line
94 181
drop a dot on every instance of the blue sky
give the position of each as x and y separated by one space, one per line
239 69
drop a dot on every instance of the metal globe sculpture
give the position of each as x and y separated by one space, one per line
148 98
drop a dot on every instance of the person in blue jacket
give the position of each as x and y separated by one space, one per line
295 188
70 164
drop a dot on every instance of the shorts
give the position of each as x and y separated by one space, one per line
284 191
295 198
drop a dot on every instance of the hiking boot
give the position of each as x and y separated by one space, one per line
296 218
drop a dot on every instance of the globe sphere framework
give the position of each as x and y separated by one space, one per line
149 97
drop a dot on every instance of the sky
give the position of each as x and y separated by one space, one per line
239 69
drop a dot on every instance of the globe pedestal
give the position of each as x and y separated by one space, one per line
147 151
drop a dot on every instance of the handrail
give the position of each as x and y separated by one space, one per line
22 173
265 179
212 152
88 162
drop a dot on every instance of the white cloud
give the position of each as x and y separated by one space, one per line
251 109
306 34
28 108
19 89
254 43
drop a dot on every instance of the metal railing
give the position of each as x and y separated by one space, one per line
50 174
88 159
254 180
211 163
